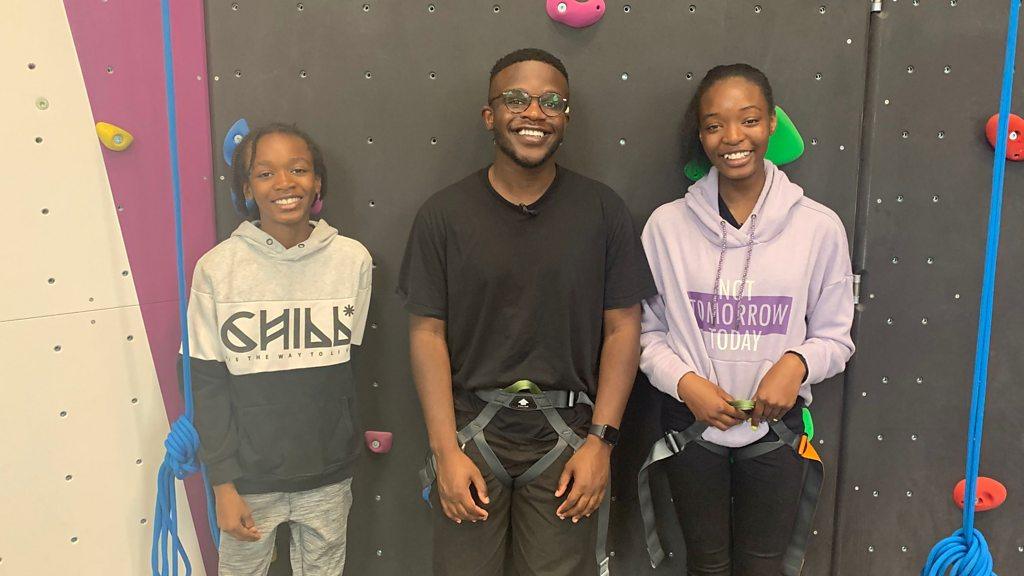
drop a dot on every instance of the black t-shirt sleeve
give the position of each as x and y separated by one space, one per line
423 279
628 277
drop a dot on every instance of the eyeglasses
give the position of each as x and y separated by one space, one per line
518 100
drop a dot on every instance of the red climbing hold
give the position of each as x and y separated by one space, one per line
378 442
1014 136
991 494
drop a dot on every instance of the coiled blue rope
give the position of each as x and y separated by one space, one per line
966 552
182 444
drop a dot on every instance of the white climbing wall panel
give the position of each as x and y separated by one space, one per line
82 419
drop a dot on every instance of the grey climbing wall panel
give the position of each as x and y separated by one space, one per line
935 81
392 91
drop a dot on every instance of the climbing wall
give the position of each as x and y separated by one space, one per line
935 80
89 319
393 91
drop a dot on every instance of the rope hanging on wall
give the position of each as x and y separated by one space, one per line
181 459
965 552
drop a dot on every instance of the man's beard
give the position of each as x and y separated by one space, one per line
503 140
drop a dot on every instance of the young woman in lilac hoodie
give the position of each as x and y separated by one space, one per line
755 303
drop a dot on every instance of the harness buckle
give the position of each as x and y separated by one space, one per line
670 439
522 402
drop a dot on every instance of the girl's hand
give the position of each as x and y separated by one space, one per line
777 392
708 402
233 514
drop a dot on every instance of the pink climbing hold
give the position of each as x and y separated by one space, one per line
576 13
378 442
991 494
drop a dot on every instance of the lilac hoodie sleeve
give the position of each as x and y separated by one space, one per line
828 344
658 361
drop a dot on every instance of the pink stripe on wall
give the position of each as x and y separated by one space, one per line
120 49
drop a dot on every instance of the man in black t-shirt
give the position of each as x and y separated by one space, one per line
523 271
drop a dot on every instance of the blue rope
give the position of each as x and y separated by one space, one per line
966 552
182 444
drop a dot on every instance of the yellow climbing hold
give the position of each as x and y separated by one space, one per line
113 137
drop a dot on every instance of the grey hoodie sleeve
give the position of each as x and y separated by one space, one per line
213 417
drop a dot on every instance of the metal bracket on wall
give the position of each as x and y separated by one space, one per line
856 289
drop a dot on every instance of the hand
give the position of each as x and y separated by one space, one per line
455 474
777 392
233 514
708 402
588 470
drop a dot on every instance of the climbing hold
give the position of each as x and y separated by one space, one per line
784 146
696 169
991 494
1014 136
808 424
576 13
234 136
378 442
113 137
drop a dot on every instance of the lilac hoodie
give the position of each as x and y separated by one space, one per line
731 302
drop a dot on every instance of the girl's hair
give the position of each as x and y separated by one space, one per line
245 155
692 149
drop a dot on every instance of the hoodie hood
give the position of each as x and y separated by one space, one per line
264 243
771 213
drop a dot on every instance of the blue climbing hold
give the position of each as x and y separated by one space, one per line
234 136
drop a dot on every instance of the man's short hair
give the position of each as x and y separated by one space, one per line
529 55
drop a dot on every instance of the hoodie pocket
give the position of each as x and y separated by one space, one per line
296 439
273 438
740 378
342 442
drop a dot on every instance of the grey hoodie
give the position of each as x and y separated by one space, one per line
270 333
732 301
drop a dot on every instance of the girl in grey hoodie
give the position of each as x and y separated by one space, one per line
755 303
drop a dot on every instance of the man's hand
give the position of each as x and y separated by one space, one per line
588 470
233 514
455 474
777 392
708 402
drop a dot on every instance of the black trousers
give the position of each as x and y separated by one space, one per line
521 536
737 517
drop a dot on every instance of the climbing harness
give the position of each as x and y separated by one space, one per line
524 395
675 442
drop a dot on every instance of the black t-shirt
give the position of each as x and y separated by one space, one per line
523 289
726 214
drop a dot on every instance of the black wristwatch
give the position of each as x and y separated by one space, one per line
608 434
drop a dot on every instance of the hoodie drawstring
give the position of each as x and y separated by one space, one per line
721 259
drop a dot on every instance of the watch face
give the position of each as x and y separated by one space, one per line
611 435
608 434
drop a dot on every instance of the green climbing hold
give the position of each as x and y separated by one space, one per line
784 146
696 169
808 424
